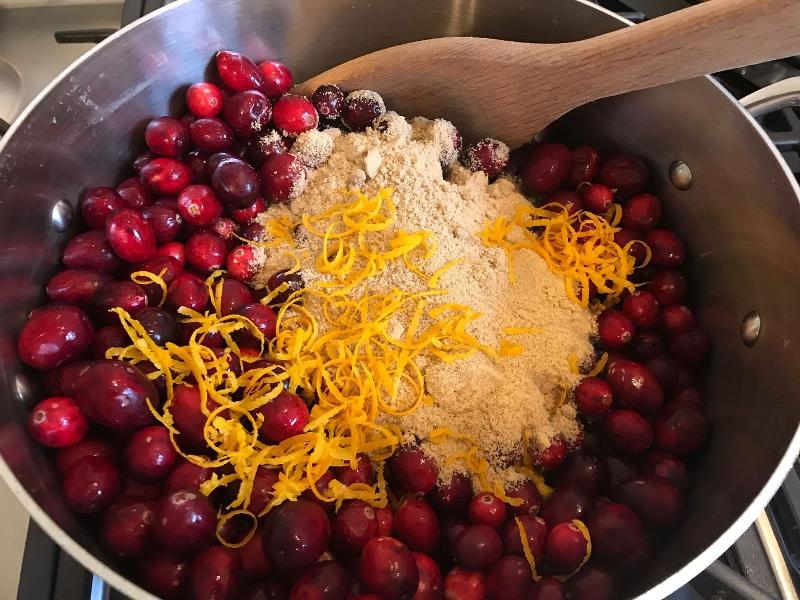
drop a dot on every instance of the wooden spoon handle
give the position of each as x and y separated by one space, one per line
709 37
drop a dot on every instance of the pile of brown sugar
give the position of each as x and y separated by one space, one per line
501 404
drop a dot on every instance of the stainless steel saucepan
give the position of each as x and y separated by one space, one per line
740 216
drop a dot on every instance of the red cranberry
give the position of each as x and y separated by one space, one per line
568 199
566 548
243 216
593 583
90 485
535 532
615 328
296 534
388 568
385 518
54 335
413 471
165 267
189 419
236 183
263 317
637 250
57 422
416 525
166 136
252 558
277 76
185 522
487 509
199 206
681 428
166 176
690 347
583 165
362 473
668 467
126 527
264 147
596 198
593 397
97 204
90 250
240 263
329 101
216 574
118 294
487 155
361 108
624 173
581 470
628 431
551 457
293 115
324 580
211 135
430 578
239 72
206 251
548 588
352 527
531 499
478 547
235 294
142 160
204 99
149 454
642 308
283 178
667 248
130 235
165 222
657 502
75 286
453 496
133 192
284 416
565 504
460 584
676 318
172 250
115 395
164 575
187 290
67 457
247 112
547 167
641 212
186 476
616 532
669 287
635 387
510 579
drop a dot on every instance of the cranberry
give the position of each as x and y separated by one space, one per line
676 318
642 308
531 499
196 161
142 160
118 294
666 371
204 99
98 203
460 584
329 101
430 578
253 232
75 286
90 485
690 347
159 324
264 147
453 496
187 290
166 176
149 453
296 534
637 250
596 198
165 222
385 518
388 568
235 294
269 590
293 115
593 397
236 183
635 387
581 470
253 561
567 199
510 579
243 216
293 280
487 155
657 502
247 112
616 532
550 458
172 250
646 345
416 525
239 72
669 287
130 235
668 467
624 173
185 522
566 548
362 473
284 416
54 335
126 526
361 108
277 76
57 422
628 431
206 251
413 471
352 527
240 263
535 532
283 178
164 575
478 547
133 192
166 136
199 206
325 579
216 574
565 504
688 394
67 457
615 328
641 212
583 161
487 509
547 167
263 317
165 267
593 583
548 588
681 428
211 135
186 476
189 419
115 395
90 250
615 470
667 248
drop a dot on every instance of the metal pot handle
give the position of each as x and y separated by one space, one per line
777 96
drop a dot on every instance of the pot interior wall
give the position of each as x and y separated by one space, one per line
739 217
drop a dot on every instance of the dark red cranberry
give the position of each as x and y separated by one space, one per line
676 318
284 416
196 161
277 77
624 173
187 290
487 155
236 183
247 112
669 287
531 499
240 262
329 101
204 99
199 205
134 193
142 160
688 394
90 250
211 135
130 235
164 575
581 470
174 250
388 568
111 336
54 335
235 295
535 532
165 267
413 471
566 548
264 147
149 453
263 317
478 547
126 527
185 522
189 419
216 574
295 535
616 532
253 232
362 473
550 458
593 582
657 502
352 527
487 509
67 457
293 280
430 578
324 580
283 178
546 169
460 584
97 204
452 526
270 590
90 485
166 136
625 237
681 428
453 496
416 525
206 251
569 200
666 371
385 518
75 286
238 72
186 476
628 431
635 387
510 579
646 345
583 165
166 176
668 467
690 347
165 222
642 308
293 115
115 395
548 588
615 328
252 558
641 213
596 198
57 422
667 248
565 504
118 294
244 215
593 397
159 324
361 108
615 470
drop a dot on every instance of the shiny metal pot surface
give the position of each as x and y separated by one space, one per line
740 218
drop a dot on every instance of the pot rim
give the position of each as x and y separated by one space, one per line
662 589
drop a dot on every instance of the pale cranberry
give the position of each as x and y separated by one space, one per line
352 527
187 290
236 183
641 212
453 496
126 526
239 72
413 471
75 286
283 178
293 115
548 588
90 485
385 518
642 308
166 136
133 192
329 101
185 522
57 422
90 250
265 320
681 428
115 395
164 575
206 251
54 335
211 135
569 200
361 108
166 176
669 287
565 504
583 165
165 222
531 499
635 387
416 525
487 509
546 168
362 473
637 250
616 533
487 155
667 248
247 112
121 294
174 250
615 328
295 535
550 458
97 204
284 416
388 568
566 548
199 205
624 173
596 198
628 431
690 347
460 584
204 99
478 547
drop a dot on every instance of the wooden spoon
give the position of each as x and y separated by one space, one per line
511 90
